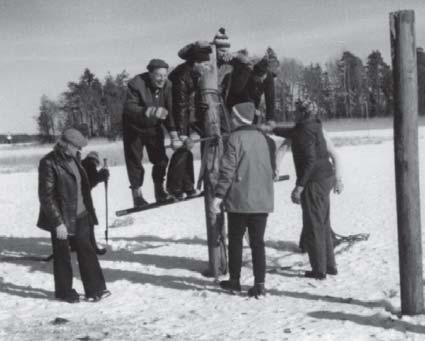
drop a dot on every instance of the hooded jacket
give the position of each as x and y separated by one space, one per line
246 172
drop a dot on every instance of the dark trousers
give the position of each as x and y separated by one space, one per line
90 271
317 237
256 224
180 175
133 152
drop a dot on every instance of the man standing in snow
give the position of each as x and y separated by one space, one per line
146 109
315 180
95 176
67 212
245 184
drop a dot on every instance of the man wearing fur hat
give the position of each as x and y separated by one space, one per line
146 109
184 78
67 212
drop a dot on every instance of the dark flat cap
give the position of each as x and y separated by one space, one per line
157 64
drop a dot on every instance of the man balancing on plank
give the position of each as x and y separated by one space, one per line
148 107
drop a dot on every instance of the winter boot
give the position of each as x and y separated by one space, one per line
333 271
138 199
160 194
316 275
191 193
257 290
231 285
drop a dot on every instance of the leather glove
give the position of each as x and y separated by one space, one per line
271 124
216 206
176 143
188 143
103 174
150 112
161 113
296 195
61 232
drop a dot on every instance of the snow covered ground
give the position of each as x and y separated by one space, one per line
154 261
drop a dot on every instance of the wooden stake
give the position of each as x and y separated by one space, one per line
403 49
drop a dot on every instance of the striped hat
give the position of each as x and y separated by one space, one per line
244 113
221 40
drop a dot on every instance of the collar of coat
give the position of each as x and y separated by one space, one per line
63 158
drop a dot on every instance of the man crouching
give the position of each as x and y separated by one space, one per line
67 212
246 185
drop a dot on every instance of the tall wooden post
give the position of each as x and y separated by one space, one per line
403 49
212 152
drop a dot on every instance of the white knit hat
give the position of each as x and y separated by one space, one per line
221 40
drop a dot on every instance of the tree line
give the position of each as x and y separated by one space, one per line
345 87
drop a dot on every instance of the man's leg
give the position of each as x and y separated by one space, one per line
158 157
331 267
314 226
256 228
99 251
237 226
62 268
133 153
90 270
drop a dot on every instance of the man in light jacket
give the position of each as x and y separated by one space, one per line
245 186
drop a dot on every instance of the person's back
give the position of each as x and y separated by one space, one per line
252 188
245 185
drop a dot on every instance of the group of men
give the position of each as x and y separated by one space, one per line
157 100
217 95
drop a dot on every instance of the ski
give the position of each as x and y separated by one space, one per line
124 212
121 213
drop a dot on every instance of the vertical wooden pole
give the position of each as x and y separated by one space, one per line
403 50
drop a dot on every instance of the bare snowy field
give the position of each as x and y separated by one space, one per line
154 259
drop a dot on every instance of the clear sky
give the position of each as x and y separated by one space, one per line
45 44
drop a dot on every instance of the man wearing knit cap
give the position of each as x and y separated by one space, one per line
245 186
147 108
67 212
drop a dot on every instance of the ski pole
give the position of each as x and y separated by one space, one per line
202 139
105 165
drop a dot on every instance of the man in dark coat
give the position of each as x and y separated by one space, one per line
248 84
245 185
67 212
315 180
147 107
95 176
184 78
